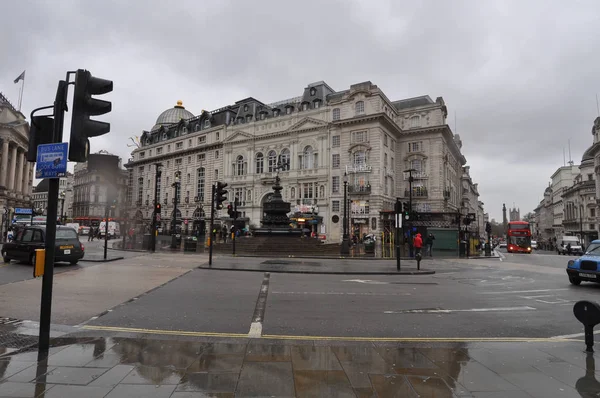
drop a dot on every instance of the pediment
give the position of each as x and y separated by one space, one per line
238 136
307 123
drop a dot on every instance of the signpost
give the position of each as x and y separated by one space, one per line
398 213
51 160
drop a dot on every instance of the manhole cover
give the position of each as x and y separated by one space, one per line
290 262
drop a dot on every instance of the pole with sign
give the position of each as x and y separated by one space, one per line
398 214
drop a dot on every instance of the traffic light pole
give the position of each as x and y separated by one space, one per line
233 239
60 106
212 224
156 201
398 211
106 232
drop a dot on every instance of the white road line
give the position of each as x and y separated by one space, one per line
523 291
441 311
255 330
345 293
571 336
368 281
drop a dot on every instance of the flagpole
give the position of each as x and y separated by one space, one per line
21 93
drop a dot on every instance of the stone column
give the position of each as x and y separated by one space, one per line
4 171
26 172
19 171
12 171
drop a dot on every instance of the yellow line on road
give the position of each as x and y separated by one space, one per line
336 338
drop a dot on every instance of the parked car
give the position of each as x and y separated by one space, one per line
22 248
534 245
84 230
502 245
586 267
576 248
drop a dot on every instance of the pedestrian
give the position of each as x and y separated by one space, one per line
91 234
429 243
418 243
569 249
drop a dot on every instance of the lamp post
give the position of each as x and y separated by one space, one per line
62 207
581 224
174 222
410 209
345 250
155 215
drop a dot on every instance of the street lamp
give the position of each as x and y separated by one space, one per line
174 222
345 251
155 211
62 207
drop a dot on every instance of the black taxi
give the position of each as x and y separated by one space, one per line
22 248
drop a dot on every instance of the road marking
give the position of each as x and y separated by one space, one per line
366 281
345 293
570 336
333 338
259 311
523 291
441 311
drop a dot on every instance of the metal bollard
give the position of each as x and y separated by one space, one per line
418 257
587 313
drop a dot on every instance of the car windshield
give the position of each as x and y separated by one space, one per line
66 234
593 249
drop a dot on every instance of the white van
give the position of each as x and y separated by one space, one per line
576 248
113 229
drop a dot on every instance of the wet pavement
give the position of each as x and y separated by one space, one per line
180 366
341 266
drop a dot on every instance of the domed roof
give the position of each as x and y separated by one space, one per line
587 155
172 116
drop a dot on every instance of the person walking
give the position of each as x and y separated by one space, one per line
91 234
418 243
429 243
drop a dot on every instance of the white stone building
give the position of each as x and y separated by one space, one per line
318 138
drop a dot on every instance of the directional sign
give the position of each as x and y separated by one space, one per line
23 210
51 160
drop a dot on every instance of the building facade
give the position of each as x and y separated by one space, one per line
98 185
318 142
39 197
16 174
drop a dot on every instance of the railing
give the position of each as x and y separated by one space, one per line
359 189
421 193
417 175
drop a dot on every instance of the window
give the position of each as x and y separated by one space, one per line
158 151
262 116
184 130
142 155
179 145
189 160
392 163
37 236
335 141
216 174
360 107
239 166
141 169
201 140
248 118
200 184
590 177
169 148
359 158
308 158
416 164
216 154
288 110
196 127
276 112
207 124
158 182
140 194
259 163
415 121
385 160
27 235
313 91
272 159
335 184
178 192
217 135
308 192
188 178
304 106
336 114
178 162
317 104
592 227
385 140
245 108
393 145
189 143
592 213
359 136
414 146
335 161
201 157
284 156
335 206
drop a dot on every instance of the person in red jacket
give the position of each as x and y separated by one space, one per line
418 243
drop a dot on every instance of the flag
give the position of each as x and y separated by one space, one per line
21 77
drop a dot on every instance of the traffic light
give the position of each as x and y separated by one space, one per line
41 132
230 211
488 227
157 208
84 106
221 195
406 210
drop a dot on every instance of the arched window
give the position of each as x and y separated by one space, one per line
415 121
184 130
317 104
292 193
284 157
275 112
308 159
200 184
359 107
259 163
417 164
305 106
207 124
272 157
196 127
239 166
359 158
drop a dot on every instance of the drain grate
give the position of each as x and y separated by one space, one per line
16 340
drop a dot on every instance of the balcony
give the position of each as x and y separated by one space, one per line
417 175
417 193
359 168
359 189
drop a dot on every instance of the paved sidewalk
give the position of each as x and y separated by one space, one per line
320 265
182 366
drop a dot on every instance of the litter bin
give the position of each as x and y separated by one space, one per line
369 246
190 244
462 250
146 242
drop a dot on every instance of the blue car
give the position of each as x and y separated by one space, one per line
586 267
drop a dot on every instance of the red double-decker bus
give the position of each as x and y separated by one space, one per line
518 237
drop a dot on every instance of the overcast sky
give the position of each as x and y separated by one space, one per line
521 76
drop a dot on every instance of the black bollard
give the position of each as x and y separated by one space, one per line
587 313
418 257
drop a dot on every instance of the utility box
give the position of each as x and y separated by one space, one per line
40 262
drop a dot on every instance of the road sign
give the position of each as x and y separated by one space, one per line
51 160
23 210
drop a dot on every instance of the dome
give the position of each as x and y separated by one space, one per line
587 155
172 116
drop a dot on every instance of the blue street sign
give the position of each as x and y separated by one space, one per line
23 210
51 160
